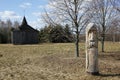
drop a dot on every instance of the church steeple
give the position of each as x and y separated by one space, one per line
25 27
24 22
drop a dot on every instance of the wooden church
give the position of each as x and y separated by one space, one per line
25 34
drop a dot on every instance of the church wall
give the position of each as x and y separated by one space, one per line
22 37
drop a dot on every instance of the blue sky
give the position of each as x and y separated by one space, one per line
16 9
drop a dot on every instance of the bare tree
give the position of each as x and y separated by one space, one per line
115 30
103 14
116 4
9 27
16 24
72 12
5 29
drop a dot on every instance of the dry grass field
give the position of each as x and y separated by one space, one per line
55 62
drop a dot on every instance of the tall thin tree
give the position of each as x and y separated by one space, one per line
72 12
103 14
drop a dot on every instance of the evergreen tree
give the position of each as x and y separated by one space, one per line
69 34
55 34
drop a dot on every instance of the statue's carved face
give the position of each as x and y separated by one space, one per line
92 39
92 35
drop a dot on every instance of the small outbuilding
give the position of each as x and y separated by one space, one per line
25 34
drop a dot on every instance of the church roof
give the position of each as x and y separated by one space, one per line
25 27
24 21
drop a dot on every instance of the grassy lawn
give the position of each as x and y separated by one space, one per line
56 62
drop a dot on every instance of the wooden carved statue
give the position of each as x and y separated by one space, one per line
91 49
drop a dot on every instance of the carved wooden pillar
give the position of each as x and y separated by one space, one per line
91 49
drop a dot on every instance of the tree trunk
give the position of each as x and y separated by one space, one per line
103 40
77 43
114 37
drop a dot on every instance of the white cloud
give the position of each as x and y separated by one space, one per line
41 6
37 24
51 5
9 15
26 5
38 14
48 6
88 0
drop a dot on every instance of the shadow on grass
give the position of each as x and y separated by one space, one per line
109 75
110 55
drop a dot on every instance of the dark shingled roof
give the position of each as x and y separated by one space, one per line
25 27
